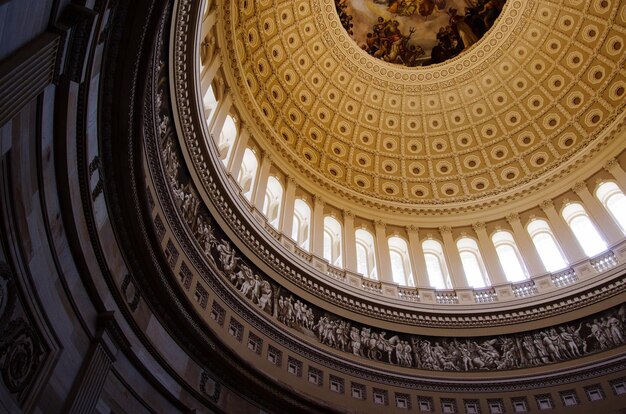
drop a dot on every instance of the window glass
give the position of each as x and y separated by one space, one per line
366 260
436 265
472 262
227 139
273 200
584 230
332 241
546 245
300 232
509 256
400 261
247 173
614 201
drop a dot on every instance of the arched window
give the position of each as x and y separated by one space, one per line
247 173
400 261
436 267
210 105
510 258
584 230
332 241
273 200
366 254
546 245
614 200
300 231
226 141
472 263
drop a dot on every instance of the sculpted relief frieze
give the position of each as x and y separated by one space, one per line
596 333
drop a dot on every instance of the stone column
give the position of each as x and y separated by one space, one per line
490 256
223 109
613 167
261 182
240 148
209 73
288 207
349 242
563 234
457 274
526 247
208 22
418 262
600 215
382 246
317 235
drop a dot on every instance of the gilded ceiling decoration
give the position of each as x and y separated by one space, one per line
417 32
537 94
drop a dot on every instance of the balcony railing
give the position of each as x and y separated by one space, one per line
604 262
524 289
447 297
409 294
485 296
564 278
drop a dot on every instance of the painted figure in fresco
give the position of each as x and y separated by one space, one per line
462 29
387 42
426 8
391 40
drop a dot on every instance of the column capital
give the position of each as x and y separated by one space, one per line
348 214
380 223
292 180
546 204
611 164
579 186
445 229
317 199
266 156
412 228
512 217
479 226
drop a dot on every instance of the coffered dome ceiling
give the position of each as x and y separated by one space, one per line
539 95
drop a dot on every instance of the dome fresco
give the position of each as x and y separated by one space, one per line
417 32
